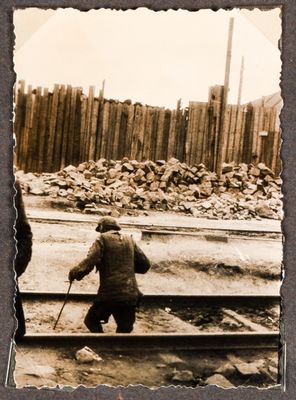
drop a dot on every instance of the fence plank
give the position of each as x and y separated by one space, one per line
59 129
201 133
77 125
255 130
123 131
194 138
71 131
34 141
83 107
183 129
270 138
55 129
28 117
135 133
117 132
20 113
141 133
52 128
166 130
154 133
238 132
227 124
148 133
66 127
172 135
232 132
42 129
189 132
104 143
90 100
264 139
247 136
129 131
159 137
93 129
218 128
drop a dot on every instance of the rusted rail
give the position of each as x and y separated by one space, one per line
156 341
168 300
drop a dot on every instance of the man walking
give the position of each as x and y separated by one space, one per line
117 258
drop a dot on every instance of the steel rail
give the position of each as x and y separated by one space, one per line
197 341
219 235
168 228
166 300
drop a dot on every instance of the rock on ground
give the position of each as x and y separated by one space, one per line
219 380
243 191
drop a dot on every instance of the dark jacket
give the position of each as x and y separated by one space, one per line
117 258
23 234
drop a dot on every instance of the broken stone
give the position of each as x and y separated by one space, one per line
264 170
69 168
207 205
37 191
263 211
254 171
227 168
171 359
183 376
87 355
247 369
219 380
164 185
63 193
226 369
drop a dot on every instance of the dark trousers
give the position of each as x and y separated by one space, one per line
123 313
19 313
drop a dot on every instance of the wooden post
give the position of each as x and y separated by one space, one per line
221 148
34 140
29 103
64 148
52 129
105 125
42 129
59 129
20 102
123 131
214 126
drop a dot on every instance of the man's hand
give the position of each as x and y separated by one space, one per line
75 273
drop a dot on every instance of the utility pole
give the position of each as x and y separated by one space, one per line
222 144
241 82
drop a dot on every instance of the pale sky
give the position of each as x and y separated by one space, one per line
146 56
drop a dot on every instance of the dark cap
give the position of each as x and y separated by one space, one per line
107 223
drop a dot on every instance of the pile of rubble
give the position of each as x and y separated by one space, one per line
242 192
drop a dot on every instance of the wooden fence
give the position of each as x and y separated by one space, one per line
67 127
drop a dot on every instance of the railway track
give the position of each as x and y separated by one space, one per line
258 338
158 230
166 300
155 341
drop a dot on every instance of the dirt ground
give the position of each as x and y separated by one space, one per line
183 266
152 369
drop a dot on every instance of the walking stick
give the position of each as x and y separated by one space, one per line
65 301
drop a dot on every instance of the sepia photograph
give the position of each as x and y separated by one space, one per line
148 195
